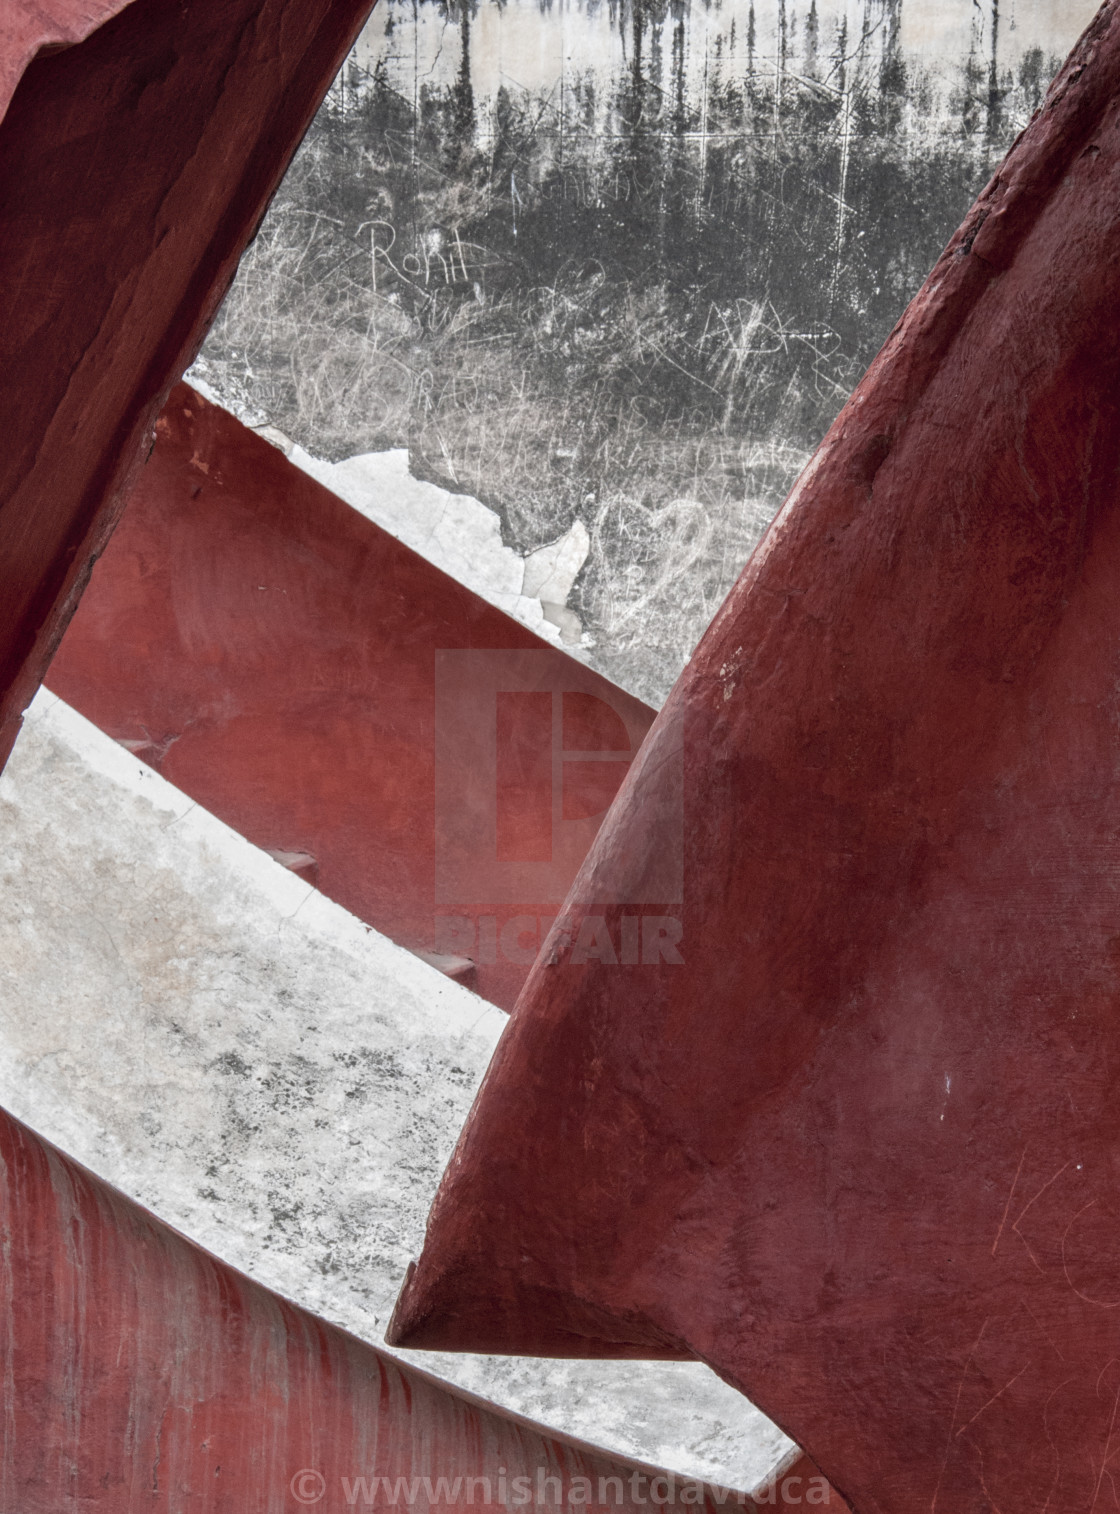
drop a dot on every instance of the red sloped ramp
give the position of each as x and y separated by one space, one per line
424 759
140 1373
860 1149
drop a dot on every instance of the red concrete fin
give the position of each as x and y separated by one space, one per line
419 756
135 165
858 1148
142 1373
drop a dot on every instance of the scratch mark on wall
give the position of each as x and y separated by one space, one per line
1010 1196
992 1400
1098 1303
953 1421
1022 1216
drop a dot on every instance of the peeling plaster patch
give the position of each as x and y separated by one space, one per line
455 532
460 536
203 1029
270 434
550 575
551 572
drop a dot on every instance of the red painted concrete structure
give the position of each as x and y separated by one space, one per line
134 167
423 758
860 1151
141 1373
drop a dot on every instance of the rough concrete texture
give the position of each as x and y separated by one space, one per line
140 1372
135 165
280 659
860 1149
228 1047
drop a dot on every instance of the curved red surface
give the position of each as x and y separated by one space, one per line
328 692
28 27
859 1150
141 1373
134 167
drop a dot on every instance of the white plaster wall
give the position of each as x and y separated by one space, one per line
269 1075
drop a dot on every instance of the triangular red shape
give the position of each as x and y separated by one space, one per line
860 1149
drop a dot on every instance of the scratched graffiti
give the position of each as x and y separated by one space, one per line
623 262
1022 1433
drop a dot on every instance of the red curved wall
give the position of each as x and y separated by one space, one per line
141 1373
134 167
860 1150
424 759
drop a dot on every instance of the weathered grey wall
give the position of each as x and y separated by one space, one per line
622 264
